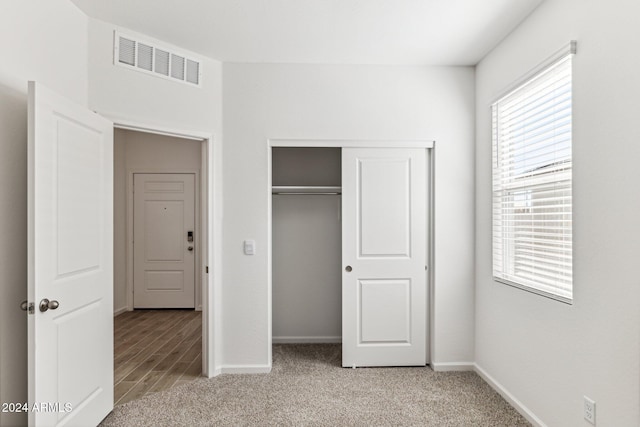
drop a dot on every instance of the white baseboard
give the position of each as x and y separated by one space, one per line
215 373
452 366
245 369
120 311
306 340
523 410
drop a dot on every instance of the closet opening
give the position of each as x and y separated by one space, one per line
349 250
306 245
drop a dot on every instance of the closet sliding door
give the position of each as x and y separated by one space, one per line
384 250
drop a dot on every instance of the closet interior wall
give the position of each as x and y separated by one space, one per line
307 246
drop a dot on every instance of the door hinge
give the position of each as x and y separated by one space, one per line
206 269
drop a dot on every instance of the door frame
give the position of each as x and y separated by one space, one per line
428 145
200 275
210 213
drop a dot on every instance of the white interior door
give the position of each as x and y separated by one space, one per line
164 251
384 238
70 232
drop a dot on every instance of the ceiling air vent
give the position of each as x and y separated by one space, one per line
127 52
193 71
177 67
145 57
161 62
153 58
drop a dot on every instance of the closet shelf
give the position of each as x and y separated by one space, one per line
305 189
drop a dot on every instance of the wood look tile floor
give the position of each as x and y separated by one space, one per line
155 350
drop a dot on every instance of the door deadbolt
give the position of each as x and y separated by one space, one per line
348 269
45 305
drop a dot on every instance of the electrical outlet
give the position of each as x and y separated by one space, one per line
589 410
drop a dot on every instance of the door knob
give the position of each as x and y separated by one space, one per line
348 269
45 305
24 305
190 248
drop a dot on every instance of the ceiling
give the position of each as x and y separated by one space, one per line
397 32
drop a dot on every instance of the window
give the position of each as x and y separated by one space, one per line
532 204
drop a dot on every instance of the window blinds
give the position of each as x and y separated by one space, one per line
532 220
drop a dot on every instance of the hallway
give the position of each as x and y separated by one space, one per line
155 350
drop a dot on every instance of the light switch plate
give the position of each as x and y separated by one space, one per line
249 247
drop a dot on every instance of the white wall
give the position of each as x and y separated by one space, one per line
140 151
545 353
125 93
307 268
345 102
43 41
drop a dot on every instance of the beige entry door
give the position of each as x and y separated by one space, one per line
165 243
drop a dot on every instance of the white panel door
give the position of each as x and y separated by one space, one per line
384 242
164 253
70 259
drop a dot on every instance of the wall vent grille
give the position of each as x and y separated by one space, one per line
152 58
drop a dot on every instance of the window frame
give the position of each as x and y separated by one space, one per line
556 292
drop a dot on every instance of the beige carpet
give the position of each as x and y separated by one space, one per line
307 387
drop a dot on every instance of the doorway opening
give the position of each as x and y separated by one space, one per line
160 263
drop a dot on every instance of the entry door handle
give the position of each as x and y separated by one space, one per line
45 305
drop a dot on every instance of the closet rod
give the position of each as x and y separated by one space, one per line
305 189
